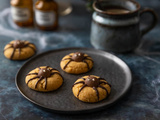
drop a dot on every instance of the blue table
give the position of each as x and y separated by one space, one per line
142 101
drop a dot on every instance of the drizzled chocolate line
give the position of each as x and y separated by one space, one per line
97 93
53 69
12 53
7 48
56 73
32 79
105 83
45 83
41 78
78 83
67 64
32 74
104 89
22 45
43 73
83 60
94 85
81 89
19 51
86 64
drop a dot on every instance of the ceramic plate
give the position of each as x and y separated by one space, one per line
106 65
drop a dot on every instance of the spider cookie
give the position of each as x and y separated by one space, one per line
76 63
19 50
44 79
91 89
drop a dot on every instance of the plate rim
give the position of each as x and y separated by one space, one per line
129 75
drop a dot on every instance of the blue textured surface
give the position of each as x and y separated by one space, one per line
143 100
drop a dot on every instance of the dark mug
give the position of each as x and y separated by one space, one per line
116 25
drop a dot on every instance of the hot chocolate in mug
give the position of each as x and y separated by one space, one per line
116 25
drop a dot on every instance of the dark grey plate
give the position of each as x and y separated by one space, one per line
106 65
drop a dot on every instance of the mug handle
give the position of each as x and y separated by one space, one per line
153 22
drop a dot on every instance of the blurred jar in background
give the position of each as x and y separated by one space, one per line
65 7
22 12
46 14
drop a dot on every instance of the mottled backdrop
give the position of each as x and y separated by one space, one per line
141 103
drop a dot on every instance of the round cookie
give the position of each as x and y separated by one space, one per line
19 50
44 79
76 63
91 89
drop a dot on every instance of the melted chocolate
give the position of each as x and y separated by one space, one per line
18 44
77 57
94 83
43 73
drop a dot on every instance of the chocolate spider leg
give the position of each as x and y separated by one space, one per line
81 89
12 53
104 89
78 83
55 73
67 64
8 48
87 64
97 93
41 78
45 83
53 69
39 68
32 74
47 67
66 59
104 83
90 60
19 51
28 45
86 57
32 79
32 48
83 78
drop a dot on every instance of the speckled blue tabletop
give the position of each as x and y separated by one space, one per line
141 103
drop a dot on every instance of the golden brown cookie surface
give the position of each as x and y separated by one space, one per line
44 79
19 50
76 63
91 89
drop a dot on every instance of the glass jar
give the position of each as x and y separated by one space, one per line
22 12
46 14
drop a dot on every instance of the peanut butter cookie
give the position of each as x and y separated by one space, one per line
76 63
44 79
91 89
19 50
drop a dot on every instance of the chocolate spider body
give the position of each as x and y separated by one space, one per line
19 44
43 73
78 57
93 82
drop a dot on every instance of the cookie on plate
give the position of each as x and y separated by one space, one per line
19 50
44 79
76 63
91 89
